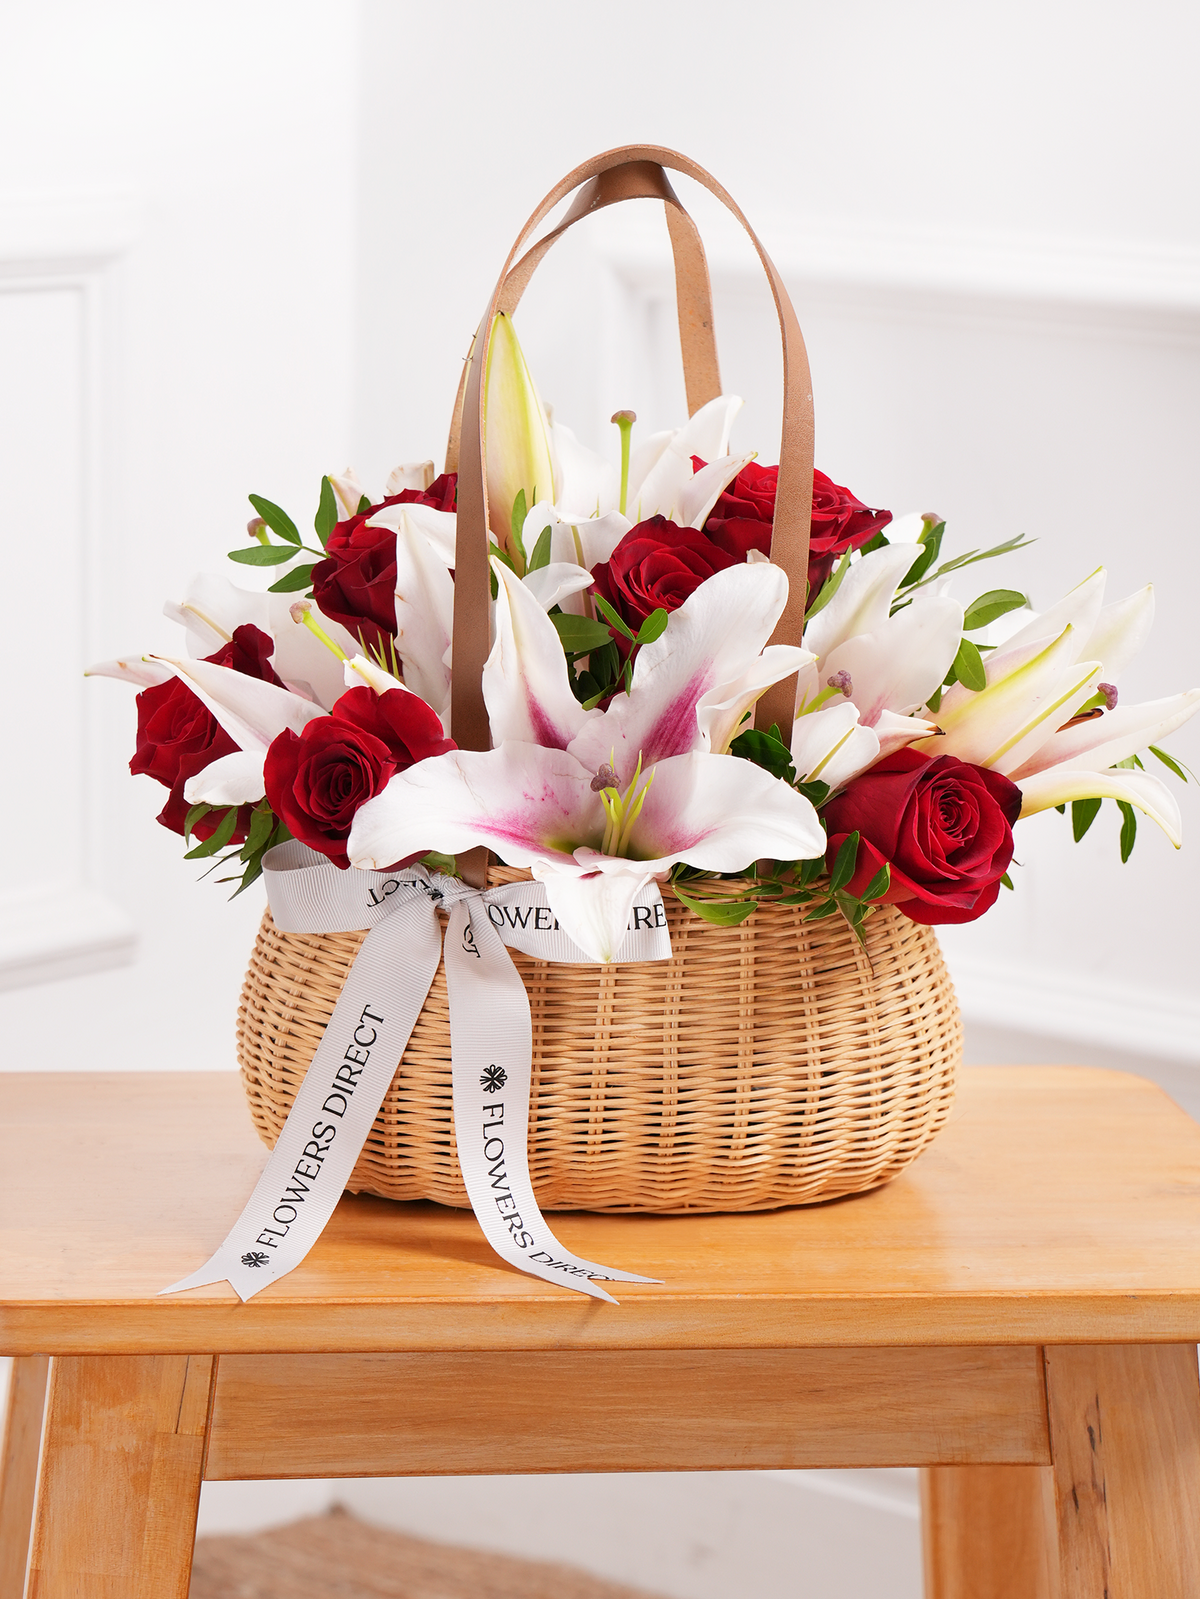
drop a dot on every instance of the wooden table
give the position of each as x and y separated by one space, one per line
1017 1313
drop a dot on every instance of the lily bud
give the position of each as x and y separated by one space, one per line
516 432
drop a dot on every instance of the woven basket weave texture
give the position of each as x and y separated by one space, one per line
775 1063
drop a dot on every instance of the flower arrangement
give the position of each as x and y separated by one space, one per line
633 600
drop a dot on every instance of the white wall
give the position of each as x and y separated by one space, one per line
249 244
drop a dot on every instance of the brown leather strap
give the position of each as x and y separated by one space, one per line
640 180
793 502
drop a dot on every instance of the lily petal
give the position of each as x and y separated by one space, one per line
359 670
424 613
720 712
719 814
252 712
702 491
525 684
594 908
705 435
1030 692
439 527
141 672
831 745
235 779
897 732
551 585
590 485
531 805
413 475
709 643
1120 632
1079 610
1061 784
348 492
897 667
1113 737
862 602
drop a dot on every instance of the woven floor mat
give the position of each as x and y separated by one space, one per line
336 1556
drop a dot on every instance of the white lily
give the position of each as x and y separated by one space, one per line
612 798
213 608
1022 723
883 662
833 745
253 713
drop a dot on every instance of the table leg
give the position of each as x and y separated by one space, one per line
1125 1438
122 1460
987 1532
18 1468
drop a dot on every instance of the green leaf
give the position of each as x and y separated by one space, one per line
972 556
326 518
843 866
1007 880
653 627
934 702
879 542
364 504
831 585
721 913
968 667
579 634
276 519
192 817
993 604
766 750
816 792
1169 763
1061 809
541 552
1083 814
611 616
263 555
827 907
879 884
219 839
300 578
1128 829
262 825
519 510
931 544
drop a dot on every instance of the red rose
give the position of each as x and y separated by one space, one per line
178 736
944 827
656 566
741 519
356 583
317 779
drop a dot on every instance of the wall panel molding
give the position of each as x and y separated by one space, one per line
57 251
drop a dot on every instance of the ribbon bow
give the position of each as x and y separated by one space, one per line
491 1049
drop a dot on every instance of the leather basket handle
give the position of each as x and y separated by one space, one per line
627 173
639 180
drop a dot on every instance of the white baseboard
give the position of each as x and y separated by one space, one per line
1087 1010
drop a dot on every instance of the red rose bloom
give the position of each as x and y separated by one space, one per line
741 519
656 566
317 779
178 736
356 583
944 827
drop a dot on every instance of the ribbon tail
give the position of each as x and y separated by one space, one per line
335 1107
491 1046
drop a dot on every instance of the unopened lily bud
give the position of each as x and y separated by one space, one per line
1109 690
842 681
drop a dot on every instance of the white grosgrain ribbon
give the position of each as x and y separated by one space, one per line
491 1049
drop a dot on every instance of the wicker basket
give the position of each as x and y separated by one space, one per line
769 1064
762 1065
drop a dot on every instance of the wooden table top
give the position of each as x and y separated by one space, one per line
1059 1205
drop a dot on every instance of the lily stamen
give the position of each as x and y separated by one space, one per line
301 612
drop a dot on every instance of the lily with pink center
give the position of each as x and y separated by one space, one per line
597 803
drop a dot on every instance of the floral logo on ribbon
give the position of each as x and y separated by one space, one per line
256 1258
493 1079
